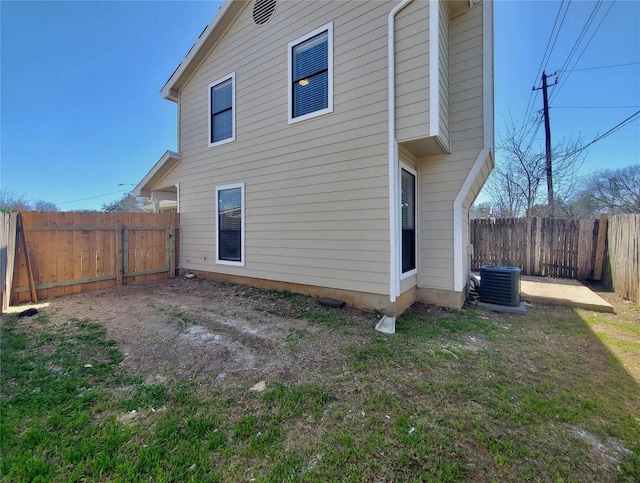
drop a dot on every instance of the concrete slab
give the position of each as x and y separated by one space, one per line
556 291
516 309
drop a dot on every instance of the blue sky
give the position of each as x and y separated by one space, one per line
81 111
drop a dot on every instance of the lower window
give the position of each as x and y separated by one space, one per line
408 205
230 229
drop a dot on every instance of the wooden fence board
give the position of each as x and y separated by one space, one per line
622 270
7 257
539 246
78 252
600 248
67 274
584 259
27 259
119 265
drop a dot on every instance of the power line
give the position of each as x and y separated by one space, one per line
90 198
601 67
556 91
535 124
533 96
592 107
582 33
545 59
617 127
606 14
535 133
557 34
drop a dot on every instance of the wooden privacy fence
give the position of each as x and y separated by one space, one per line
541 246
55 253
4 245
622 270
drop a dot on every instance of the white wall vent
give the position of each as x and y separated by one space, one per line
263 11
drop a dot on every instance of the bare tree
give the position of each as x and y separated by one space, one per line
516 185
481 210
10 201
44 206
128 203
615 190
515 182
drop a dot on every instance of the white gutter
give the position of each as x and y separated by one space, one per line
394 168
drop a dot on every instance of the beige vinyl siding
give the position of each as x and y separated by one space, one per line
412 71
467 127
465 238
485 171
407 283
407 157
316 192
444 121
441 177
487 166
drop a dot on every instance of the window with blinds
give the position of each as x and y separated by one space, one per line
230 230
408 209
311 75
222 110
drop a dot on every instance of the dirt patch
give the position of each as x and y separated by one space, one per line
610 449
624 308
207 331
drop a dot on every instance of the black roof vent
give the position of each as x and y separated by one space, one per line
263 11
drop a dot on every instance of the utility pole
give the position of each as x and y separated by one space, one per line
547 135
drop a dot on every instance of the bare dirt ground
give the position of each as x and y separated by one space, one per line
193 329
199 330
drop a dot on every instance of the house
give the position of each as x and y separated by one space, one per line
333 148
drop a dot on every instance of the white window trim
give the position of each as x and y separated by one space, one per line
231 76
242 260
409 169
325 28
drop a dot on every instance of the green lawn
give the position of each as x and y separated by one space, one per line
457 395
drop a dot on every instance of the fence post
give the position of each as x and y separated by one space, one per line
172 251
4 261
527 241
27 259
118 232
125 251
537 246
602 238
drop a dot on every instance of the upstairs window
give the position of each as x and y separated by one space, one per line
222 116
311 75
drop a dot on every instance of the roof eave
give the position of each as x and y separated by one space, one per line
165 165
207 40
169 94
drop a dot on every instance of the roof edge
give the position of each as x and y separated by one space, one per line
200 49
169 159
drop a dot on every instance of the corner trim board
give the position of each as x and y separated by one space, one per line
434 68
